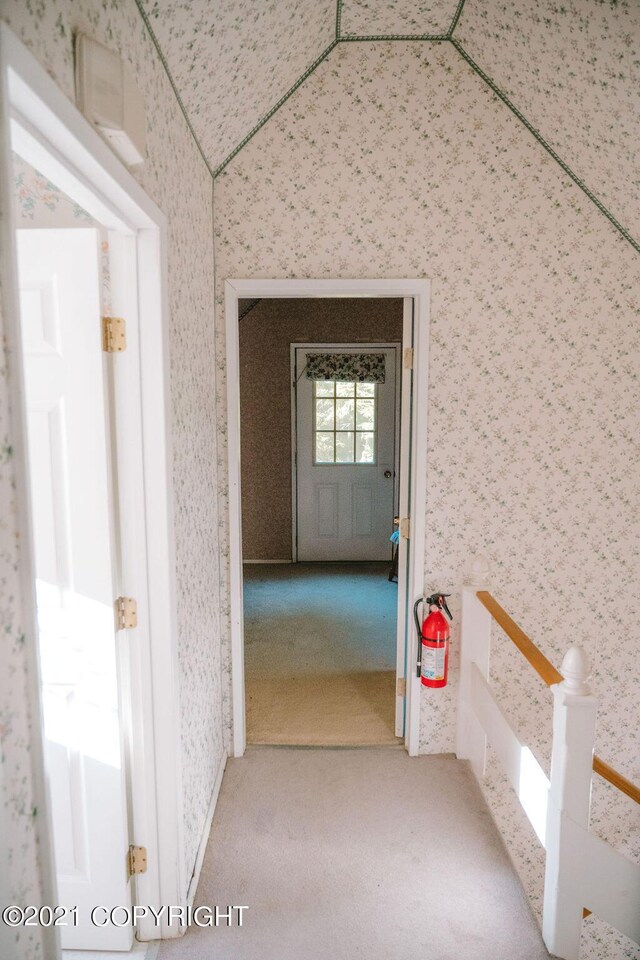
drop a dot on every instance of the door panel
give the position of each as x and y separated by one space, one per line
344 510
326 520
73 530
363 507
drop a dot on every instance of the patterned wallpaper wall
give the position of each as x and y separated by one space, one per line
396 17
266 334
21 777
233 60
573 69
39 203
535 356
173 164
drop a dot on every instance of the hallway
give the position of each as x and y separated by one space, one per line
320 648
342 854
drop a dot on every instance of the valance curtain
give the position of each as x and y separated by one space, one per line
349 367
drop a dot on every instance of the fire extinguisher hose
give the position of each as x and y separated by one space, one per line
419 629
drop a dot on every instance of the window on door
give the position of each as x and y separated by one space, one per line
344 422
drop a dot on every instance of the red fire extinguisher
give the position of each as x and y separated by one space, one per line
433 653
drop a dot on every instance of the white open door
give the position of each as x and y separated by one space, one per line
345 461
74 532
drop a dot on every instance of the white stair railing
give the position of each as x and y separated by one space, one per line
583 873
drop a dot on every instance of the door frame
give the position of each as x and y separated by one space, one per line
397 348
44 127
413 465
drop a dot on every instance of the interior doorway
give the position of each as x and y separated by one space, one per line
320 629
81 242
274 583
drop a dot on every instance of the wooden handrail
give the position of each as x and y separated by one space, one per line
547 672
615 778
543 667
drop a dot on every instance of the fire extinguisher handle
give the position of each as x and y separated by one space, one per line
444 605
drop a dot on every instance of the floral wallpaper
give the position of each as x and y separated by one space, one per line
573 69
396 17
39 203
21 782
173 160
233 60
535 360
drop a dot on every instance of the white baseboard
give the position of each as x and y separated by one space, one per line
193 884
268 561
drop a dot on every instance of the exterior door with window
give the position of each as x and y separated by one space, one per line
345 426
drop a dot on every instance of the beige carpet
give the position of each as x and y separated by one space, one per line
363 854
320 654
322 709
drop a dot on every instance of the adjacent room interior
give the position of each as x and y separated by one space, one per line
320 410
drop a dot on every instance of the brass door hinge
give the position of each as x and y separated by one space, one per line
401 687
136 860
405 528
408 358
114 335
126 613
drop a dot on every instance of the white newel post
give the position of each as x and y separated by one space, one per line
574 723
475 644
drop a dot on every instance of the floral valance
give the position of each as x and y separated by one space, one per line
350 367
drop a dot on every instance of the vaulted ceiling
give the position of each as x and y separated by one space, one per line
570 68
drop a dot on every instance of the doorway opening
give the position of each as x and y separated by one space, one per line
327 390
320 451
85 247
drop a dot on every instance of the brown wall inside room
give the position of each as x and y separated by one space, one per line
266 333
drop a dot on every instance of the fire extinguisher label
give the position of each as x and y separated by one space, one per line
433 662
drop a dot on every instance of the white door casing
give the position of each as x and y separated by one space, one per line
344 511
413 475
73 530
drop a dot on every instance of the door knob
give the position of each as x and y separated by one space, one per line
387 473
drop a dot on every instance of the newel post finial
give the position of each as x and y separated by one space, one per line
478 575
576 671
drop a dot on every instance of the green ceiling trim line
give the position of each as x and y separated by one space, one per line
338 18
281 101
543 143
456 17
164 63
407 37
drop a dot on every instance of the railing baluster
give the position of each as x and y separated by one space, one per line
475 646
574 723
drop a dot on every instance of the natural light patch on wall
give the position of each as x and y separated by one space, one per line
573 69
233 60
365 18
